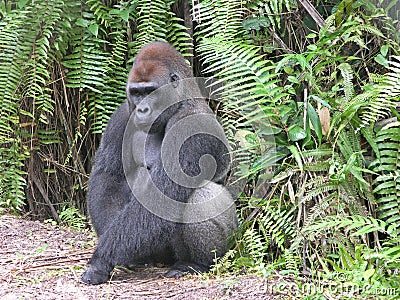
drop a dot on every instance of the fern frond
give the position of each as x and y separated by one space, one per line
86 64
247 79
272 10
277 225
387 184
256 247
348 87
320 191
178 35
113 94
291 260
156 22
223 17
358 225
151 22
27 36
385 96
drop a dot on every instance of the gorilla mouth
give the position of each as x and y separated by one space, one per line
142 124
151 127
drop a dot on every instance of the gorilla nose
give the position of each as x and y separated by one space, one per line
143 111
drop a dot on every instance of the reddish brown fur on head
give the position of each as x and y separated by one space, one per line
156 61
147 71
156 65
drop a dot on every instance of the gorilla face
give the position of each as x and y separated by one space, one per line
156 66
151 92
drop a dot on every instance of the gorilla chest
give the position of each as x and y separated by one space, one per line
146 150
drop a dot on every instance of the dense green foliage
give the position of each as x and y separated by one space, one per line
63 70
310 103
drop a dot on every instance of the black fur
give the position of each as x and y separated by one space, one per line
129 233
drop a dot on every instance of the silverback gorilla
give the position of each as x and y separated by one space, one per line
142 211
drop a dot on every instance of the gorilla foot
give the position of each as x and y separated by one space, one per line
180 269
173 273
93 275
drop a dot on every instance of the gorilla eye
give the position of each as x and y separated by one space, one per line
174 78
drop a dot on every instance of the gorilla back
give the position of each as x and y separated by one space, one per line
148 200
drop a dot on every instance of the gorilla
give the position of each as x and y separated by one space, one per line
155 192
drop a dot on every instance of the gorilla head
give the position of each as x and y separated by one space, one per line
156 65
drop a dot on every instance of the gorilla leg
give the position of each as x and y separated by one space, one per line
199 243
135 235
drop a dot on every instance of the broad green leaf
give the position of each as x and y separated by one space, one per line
315 121
323 102
21 3
296 133
293 79
380 59
124 14
82 22
368 274
255 23
312 47
94 29
296 155
384 49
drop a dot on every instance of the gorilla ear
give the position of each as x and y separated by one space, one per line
174 78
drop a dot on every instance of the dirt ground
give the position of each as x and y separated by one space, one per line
42 261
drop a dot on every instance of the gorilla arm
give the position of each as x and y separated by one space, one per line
203 147
108 190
